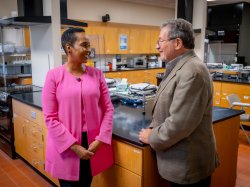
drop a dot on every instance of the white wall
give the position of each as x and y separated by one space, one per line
42 52
120 12
6 6
46 44
10 35
199 22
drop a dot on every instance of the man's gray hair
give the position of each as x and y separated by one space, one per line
180 28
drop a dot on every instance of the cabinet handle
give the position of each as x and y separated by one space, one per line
246 97
33 114
33 132
35 162
34 148
136 151
23 127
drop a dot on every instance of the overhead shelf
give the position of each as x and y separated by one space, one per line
37 20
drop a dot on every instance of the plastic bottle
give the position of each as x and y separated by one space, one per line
110 66
114 64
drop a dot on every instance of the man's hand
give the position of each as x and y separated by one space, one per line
81 152
94 146
144 135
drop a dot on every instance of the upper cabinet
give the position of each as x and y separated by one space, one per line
118 39
96 36
111 40
154 36
139 41
123 39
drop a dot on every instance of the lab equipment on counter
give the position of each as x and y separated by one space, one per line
143 88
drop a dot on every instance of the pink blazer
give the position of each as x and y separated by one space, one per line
63 110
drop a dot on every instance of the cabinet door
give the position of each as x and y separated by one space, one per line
111 40
128 156
154 36
123 41
217 94
117 176
54 180
139 40
20 134
96 35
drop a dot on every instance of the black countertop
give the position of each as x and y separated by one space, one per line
128 121
232 80
133 69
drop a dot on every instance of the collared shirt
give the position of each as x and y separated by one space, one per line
171 64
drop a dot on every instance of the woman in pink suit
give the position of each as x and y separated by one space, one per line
79 116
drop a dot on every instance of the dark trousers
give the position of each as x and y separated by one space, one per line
202 183
85 178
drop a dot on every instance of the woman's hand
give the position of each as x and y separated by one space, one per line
94 146
81 152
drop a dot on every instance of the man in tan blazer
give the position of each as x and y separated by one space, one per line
181 130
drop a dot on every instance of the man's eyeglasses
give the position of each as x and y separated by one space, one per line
161 41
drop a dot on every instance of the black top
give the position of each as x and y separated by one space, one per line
20 89
128 120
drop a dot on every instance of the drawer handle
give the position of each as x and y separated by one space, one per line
35 163
33 114
33 132
136 151
34 148
246 97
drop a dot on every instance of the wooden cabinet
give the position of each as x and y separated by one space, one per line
124 32
139 40
28 130
111 40
134 166
137 76
154 36
223 89
20 134
54 180
217 93
30 135
227 134
96 37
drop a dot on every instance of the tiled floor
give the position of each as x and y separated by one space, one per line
243 165
16 173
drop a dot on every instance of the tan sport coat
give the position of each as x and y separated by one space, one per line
182 134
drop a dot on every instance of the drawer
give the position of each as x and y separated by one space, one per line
217 86
28 112
35 132
36 150
38 164
118 177
128 156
